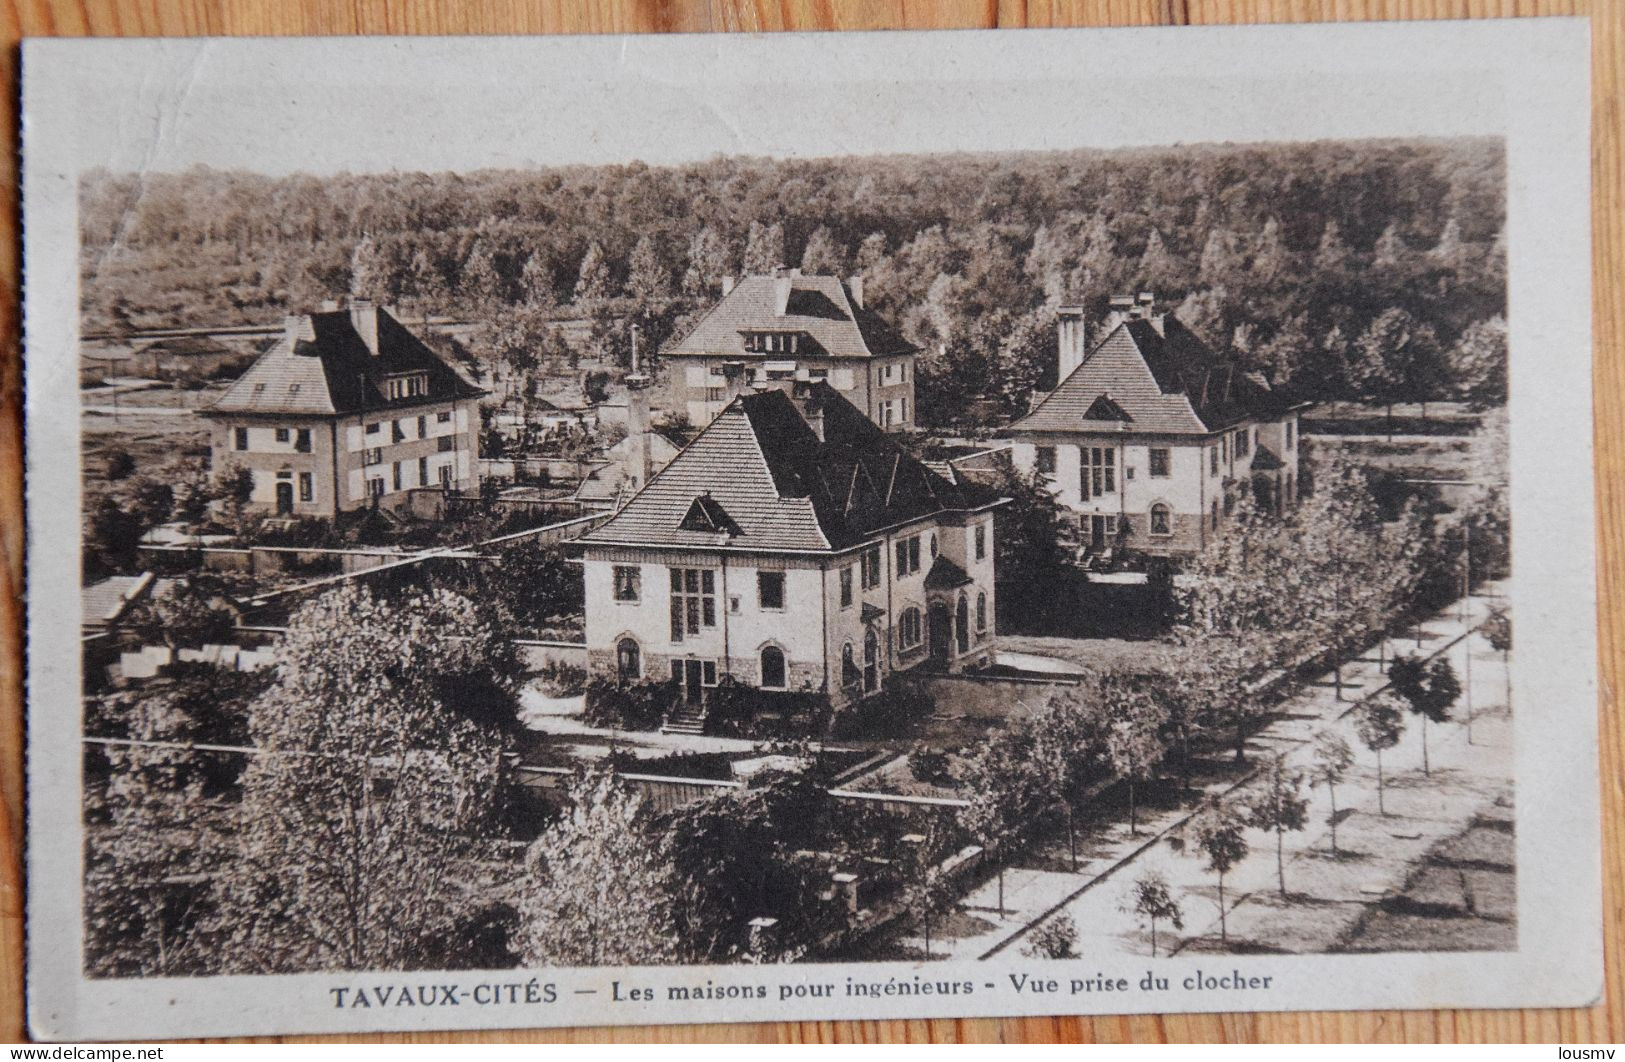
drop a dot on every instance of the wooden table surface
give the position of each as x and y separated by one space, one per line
110 18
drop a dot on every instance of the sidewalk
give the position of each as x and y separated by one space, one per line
1422 812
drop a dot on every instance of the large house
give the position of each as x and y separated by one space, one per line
1150 435
785 326
348 409
793 545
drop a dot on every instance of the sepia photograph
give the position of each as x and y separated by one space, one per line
926 559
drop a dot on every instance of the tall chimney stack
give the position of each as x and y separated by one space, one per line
297 327
1070 341
854 285
364 319
727 286
1122 309
781 290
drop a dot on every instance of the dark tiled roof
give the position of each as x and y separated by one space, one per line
1163 380
330 370
945 575
766 469
820 308
1265 460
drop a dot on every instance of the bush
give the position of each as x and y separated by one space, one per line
1054 939
562 680
736 709
929 765
635 706
119 464
896 710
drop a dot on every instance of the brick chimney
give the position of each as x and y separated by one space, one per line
364 319
1121 309
1070 340
637 417
727 286
854 285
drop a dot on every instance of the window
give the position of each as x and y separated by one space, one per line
423 427
400 483
423 471
773 677
396 431
910 630
1046 460
628 582
373 456
1213 461
903 371
448 443
375 487
981 611
628 660
1242 443
693 601
445 477
301 441
962 624
409 386
846 587
282 435
374 429
908 556
1159 462
1161 520
981 541
443 417
871 567
1215 514
770 590
1289 434
933 545
850 675
240 438
871 662
1097 471
307 487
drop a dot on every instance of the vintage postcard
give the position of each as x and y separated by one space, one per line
533 532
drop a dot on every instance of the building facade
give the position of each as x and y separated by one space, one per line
347 410
791 546
786 327
1150 436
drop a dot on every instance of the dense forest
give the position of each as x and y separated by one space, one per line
1371 269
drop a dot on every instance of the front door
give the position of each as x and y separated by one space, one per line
284 498
942 632
692 677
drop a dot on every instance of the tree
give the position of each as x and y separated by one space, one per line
1271 259
1134 745
370 273
647 279
1150 898
1218 832
1333 759
1429 690
234 485
1478 362
822 255
1280 808
927 890
382 752
1497 630
536 282
479 283
707 262
1390 249
1220 261
999 781
154 502
596 891
1380 366
113 539
592 280
1380 722
1332 254
184 615
764 248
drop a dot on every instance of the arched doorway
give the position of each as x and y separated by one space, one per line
773 676
942 632
962 624
628 660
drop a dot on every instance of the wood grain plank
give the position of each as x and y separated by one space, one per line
1604 1022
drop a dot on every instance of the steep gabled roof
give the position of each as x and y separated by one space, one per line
780 487
325 367
819 308
1162 379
